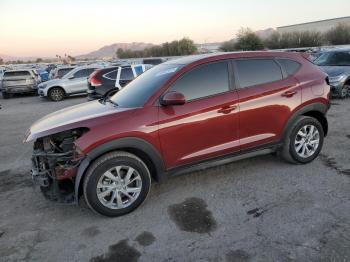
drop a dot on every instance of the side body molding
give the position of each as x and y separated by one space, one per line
133 143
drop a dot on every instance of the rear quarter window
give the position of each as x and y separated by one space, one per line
251 72
290 66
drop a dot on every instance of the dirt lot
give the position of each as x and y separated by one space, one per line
259 209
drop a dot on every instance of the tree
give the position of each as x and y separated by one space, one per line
39 60
248 40
184 46
1 61
339 35
294 40
228 46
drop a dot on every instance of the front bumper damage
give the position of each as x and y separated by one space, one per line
55 162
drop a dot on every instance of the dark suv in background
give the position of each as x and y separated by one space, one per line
336 64
177 117
107 81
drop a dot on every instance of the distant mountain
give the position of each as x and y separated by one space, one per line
109 51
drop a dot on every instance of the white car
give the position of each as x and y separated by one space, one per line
74 82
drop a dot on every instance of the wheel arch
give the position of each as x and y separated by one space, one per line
315 110
139 147
50 88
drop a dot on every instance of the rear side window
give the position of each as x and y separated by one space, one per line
126 74
17 73
290 66
253 72
112 75
203 81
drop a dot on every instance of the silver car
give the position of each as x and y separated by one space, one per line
74 82
18 81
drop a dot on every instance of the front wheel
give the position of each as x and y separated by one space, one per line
304 141
56 94
116 184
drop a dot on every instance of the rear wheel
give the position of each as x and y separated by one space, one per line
116 184
56 94
304 141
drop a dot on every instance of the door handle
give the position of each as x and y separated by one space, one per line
289 93
227 109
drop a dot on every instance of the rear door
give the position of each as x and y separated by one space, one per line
206 125
267 96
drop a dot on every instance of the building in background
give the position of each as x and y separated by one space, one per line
320 26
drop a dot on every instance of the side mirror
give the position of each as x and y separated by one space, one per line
173 98
71 77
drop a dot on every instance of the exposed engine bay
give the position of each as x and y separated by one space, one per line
55 163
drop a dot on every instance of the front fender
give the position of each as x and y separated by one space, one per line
120 144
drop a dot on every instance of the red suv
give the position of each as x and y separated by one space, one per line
184 114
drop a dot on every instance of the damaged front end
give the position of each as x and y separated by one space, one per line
55 162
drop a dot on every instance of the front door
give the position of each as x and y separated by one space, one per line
206 126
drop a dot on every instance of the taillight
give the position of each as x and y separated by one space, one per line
93 79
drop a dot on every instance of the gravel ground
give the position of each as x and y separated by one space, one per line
259 209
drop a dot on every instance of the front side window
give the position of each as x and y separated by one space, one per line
64 71
253 72
203 81
84 72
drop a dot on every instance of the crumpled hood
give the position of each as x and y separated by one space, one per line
335 70
69 118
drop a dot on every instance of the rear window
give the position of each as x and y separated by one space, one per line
253 72
290 66
17 73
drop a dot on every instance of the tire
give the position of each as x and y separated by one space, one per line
5 95
106 196
111 92
293 146
344 92
56 94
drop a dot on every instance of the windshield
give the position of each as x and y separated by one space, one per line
333 59
138 91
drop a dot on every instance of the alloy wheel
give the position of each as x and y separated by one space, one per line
307 141
119 187
56 94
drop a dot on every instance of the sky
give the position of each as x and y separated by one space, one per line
48 27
